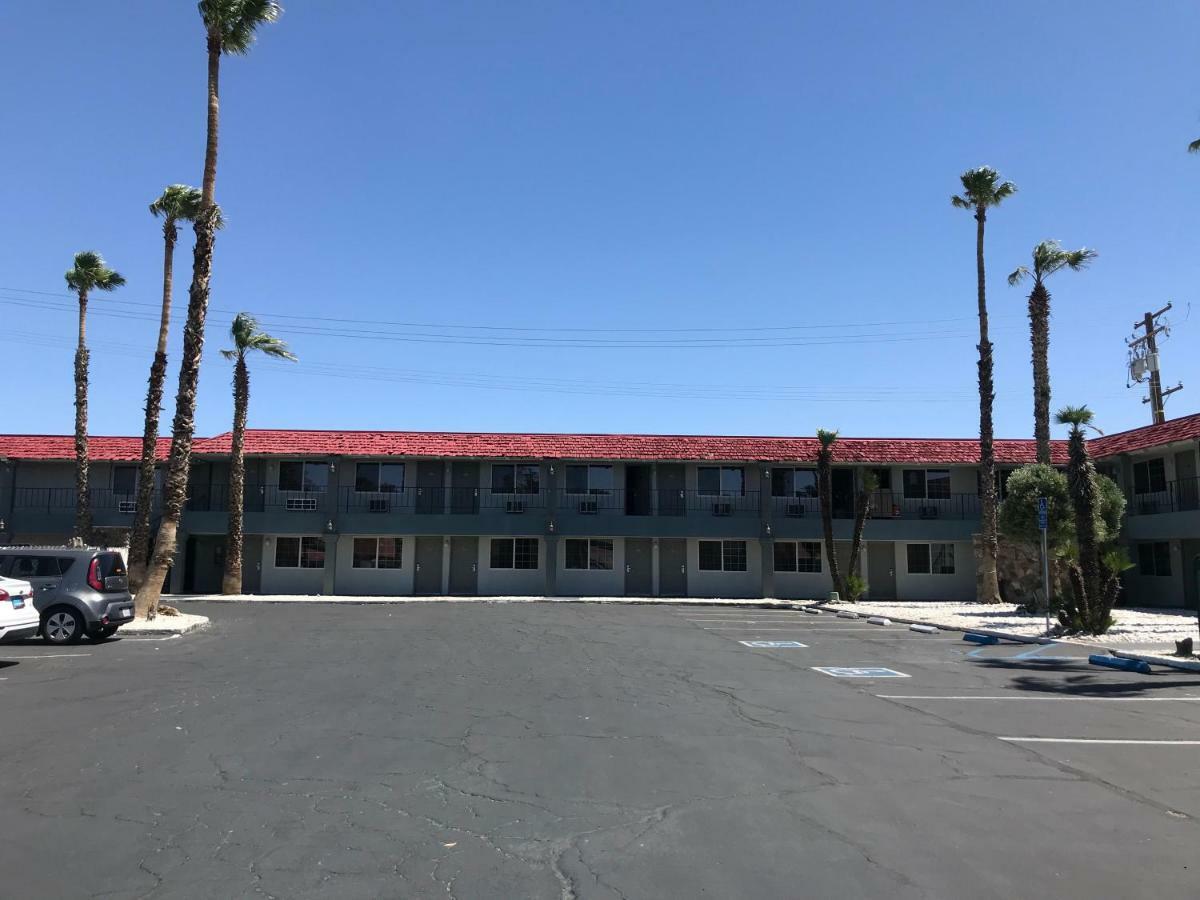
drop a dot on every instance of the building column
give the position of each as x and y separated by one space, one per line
766 542
766 549
551 562
176 573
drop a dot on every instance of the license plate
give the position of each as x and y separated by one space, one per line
126 613
18 602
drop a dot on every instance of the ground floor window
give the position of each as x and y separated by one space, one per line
514 553
591 553
797 556
723 556
1154 558
930 559
299 552
378 553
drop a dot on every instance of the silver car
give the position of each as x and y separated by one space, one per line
76 592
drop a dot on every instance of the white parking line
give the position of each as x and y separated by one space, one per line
1044 740
48 656
1072 697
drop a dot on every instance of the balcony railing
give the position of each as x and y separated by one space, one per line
1179 496
430 500
894 505
56 499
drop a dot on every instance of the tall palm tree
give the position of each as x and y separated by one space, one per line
1048 258
825 497
178 203
246 339
90 273
1096 586
981 190
1194 146
229 27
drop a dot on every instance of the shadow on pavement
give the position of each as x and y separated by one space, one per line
1088 685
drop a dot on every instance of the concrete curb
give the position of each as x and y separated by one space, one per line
798 606
132 629
1156 660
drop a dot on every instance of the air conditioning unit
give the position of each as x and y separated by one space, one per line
300 504
379 505
126 506
795 510
589 507
514 506
723 508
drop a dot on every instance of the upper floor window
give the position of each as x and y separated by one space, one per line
1154 558
589 479
516 478
793 482
883 479
379 478
303 476
927 484
1150 476
723 556
716 480
930 559
124 479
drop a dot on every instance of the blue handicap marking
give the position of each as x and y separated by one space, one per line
859 672
772 645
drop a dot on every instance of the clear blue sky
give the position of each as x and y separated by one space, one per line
617 166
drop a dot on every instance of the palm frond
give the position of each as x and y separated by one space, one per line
236 21
1018 275
247 339
827 438
1194 146
179 202
1077 416
90 272
982 187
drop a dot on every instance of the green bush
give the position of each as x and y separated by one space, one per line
1018 513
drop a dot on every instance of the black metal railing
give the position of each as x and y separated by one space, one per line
796 507
894 505
59 499
430 500
1182 495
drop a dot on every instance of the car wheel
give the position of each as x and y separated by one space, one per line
62 625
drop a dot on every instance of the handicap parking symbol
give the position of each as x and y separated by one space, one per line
859 672
772 645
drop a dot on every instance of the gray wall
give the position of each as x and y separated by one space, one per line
292 581
510 582
725 584
374 582
960 586
592 583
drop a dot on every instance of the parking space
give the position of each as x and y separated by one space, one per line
551 750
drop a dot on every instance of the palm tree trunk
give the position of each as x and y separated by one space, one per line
1081 478
139 538
989 588
184 425
83 505
232 582
861 514
1039 335
825 498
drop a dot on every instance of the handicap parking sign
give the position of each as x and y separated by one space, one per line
772 645
859 672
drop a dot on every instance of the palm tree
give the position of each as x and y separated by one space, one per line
825 497
229 27
982 189
90 273
1096 586
1048 258
246 339
177 203
1194 146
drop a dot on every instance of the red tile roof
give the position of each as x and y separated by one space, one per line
617 446
55 446
1186 428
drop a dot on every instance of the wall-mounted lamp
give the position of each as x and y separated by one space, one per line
333 467
551 468
329 525
551 526
768 530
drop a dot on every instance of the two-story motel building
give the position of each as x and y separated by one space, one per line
396 513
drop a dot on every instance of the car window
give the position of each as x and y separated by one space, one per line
111 564
34 567
65 563
4 561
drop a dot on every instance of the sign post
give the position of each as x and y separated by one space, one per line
1043 526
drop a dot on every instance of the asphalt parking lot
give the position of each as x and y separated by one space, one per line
563 750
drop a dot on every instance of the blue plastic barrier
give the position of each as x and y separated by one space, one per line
1114 662
981 638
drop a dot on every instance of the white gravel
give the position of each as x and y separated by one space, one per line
176 599
1157 627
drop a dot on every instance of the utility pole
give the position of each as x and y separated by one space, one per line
1144 350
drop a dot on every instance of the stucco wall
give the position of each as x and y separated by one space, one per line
291 581
374 582
803 585
959 586
514 582
725 584
1156 590
591 582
